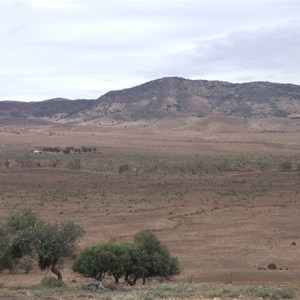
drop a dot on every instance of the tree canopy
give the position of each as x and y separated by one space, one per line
24 234
145 258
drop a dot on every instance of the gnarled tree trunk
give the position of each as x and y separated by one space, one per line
56 271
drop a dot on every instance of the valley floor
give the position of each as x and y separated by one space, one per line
227 205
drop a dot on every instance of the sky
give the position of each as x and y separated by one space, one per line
81 49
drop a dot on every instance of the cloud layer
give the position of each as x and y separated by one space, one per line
83 48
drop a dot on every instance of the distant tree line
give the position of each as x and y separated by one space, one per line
68 150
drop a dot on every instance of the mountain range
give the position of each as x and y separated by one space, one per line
169 97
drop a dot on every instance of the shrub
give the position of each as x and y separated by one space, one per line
286 293
272 266
26 264
287 165
123 168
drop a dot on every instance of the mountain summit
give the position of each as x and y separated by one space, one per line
168 97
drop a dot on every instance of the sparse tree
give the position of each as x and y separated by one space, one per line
145 258
24 234
53 242
154 258
111 259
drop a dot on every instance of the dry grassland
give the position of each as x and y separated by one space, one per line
222 201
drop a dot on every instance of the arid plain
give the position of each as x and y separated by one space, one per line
222 193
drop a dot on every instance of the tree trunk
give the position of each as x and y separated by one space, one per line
116 278
135 279
56 271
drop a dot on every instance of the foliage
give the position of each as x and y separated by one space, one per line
152 258
54 241
21 220
286 293
145 258
123 168
26 264
108 258
6 258
272 266
24 234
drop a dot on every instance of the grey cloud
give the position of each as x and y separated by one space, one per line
82 47
267 52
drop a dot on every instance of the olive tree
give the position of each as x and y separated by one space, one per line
25 234
111 259
145 258
152 259
53 242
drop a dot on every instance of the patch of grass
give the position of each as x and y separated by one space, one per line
206 287
167 290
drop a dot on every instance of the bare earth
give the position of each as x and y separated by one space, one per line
223 224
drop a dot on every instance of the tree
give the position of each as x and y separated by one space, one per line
20 225
53 242
110 258
146 257
25 234
154 259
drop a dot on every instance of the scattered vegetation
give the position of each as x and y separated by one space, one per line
68 150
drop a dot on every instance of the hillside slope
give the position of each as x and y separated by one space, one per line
168 97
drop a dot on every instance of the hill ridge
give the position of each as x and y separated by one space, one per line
166 97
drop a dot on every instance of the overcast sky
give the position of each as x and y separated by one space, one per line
84 48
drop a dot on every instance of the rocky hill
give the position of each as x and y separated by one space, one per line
167 97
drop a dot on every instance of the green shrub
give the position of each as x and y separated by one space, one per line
123 168
26 264
286 293
272 266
